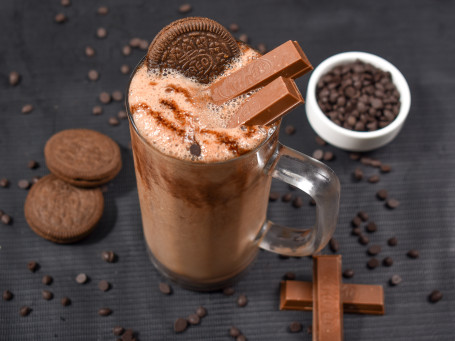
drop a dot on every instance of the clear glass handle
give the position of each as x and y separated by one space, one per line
319 182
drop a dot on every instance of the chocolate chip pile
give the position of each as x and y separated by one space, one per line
358 96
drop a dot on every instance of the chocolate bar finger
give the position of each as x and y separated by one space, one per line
287 60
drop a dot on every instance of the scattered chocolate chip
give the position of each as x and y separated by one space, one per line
365 160
104 312
185 8
105 97
143 44
117 96
354 156
387 261
286 197
356 231
122 115
234 331
23 184
297 202
104 285
128 335
413 254
126 50
371 227
60 18
47 295
262 48
358 174
25 311
117 331
274 196
81 278
328 156
392 203
14 78
125 69
372 263
290 130
93 75
363 215
229 291
113 121
318 154
65 3
7 295
295 327
65 301
108 256
348 273
201 311
47 280
385 168
373 250
165 288
233 27
375 163
242 300
392 241
395 280
6 219
333 244
244 38
97 110
382 194
356 221
194 319
320 141
290 276
27 109
195 149
435 296
135 42
102 10
373 179
4 182
241 337
101 33
180 325
89 51
32 266
363 240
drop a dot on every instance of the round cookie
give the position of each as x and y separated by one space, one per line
197 47
60 212
83 157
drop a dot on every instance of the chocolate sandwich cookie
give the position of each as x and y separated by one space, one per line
60 212
197 47
83 157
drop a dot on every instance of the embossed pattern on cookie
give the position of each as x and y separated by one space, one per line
196 47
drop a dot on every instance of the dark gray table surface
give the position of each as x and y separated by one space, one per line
416 36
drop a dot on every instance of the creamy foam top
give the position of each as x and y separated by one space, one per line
174 113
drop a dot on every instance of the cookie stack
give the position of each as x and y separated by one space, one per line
66 205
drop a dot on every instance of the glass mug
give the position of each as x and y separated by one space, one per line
204 223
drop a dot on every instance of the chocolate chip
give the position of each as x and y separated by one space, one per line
185 8
117 331
25 311
274 196
47 295
242 300
113 121
104 285
23 184
4 182
354 156
93 75
318 154
297 202
201 311
135 42
126 50
194 319
105 97
89 51
395 280
128 335
165 288
356 221
81 278
180 325
122 115
143 44
385 168
47 280
7 295
295 327
290 129
262 48
387 261
358 174
32 266
392 203
373 250
363 240
229 291
27 109
382 194
195 149
435 296
102 10
392 241
125 69
60 18
234 331
117 96
233 27
6 219
241 337
65 3
65 301
372 263
356 231
14 78
244 38
371 227
286 197
290 276
97 110
414 254
373 179
320 141
108 256
104 311
348 273
363 215
333 244
328 156
101 33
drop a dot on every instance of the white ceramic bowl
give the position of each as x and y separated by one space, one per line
349 139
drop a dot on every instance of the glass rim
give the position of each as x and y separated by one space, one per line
144 140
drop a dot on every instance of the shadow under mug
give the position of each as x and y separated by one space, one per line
204 223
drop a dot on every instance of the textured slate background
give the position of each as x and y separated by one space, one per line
416 36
